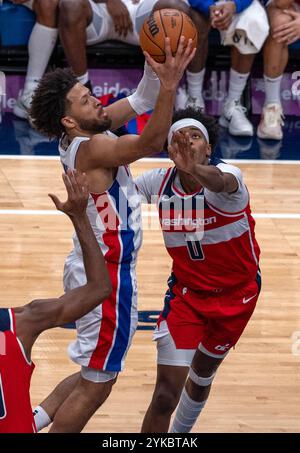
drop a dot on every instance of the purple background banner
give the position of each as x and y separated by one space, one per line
125 81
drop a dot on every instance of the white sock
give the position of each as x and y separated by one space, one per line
84 78
41 418
272 89
187 413
195 83
40 46
237 83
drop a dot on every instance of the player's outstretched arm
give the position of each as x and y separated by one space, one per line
40 315
189 161
102 152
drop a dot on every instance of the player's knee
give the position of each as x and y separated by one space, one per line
201 22
46 12
71 12
95 392
174 4
165 401
277 18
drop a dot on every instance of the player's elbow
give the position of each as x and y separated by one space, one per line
101 290
106 291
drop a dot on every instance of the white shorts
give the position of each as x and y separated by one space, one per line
248 29
97 376
102 27
104 334
167 353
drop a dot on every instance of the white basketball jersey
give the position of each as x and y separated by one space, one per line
115 214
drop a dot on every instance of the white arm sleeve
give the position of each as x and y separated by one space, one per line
149 183
229 202
144 98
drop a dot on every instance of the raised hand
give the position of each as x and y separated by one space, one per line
78 194
171 71
182 154
120 16
221 15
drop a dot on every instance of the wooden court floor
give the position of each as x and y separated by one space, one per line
257 388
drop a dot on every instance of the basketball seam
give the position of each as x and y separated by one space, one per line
163 25
149 37
179 36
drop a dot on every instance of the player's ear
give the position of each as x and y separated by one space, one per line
208 150
68 122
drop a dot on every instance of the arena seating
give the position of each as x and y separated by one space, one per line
16 22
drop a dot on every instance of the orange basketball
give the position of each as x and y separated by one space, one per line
164 23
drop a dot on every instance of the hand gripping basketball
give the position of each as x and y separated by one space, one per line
164 23
171 71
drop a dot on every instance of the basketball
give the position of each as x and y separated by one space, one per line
166 23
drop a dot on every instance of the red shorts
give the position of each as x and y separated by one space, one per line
213 320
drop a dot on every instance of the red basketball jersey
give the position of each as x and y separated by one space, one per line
15 375
209 236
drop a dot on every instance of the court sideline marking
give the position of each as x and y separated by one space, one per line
163 159
45 212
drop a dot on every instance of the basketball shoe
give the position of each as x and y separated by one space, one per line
271 122
22 106
184 100
234 119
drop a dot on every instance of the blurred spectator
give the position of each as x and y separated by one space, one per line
40 46
284 18
80 23
226 16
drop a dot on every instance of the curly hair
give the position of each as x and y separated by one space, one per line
49 103
208 121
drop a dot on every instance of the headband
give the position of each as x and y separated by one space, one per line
187 122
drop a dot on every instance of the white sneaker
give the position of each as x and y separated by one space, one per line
181 98
271 122
23 104
184 100
196 103
234 119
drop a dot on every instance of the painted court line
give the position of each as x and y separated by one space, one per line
45 212
163 159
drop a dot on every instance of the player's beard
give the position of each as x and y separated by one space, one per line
95 126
